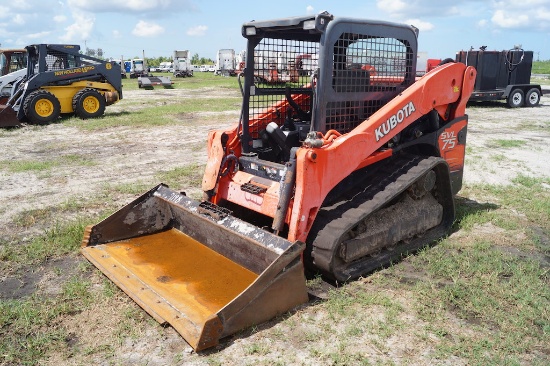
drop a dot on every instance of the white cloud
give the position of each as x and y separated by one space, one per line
543 15
33 38
5 33
116 33
38 35
18 19
4 12
420 24
147 29
506 14
138 6
403 9
80 29
59 18
391 6
20 4
525 14
310 9
199 30
509 20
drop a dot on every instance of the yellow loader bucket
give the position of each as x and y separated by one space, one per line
196 267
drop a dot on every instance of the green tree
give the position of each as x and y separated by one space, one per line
195 59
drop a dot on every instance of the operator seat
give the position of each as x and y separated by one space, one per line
279 137
344 115
351 81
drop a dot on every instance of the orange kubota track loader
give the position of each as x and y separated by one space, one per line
341 170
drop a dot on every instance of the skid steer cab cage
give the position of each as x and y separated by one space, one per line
320 73
199 269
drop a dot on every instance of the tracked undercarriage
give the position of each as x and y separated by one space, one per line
407 205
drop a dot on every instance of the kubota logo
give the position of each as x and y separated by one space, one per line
394 120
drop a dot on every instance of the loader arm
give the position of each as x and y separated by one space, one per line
445 89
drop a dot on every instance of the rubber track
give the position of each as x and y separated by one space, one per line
334 222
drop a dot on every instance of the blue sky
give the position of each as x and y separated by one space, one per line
126 27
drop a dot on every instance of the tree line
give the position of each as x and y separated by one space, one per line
195 60
153 61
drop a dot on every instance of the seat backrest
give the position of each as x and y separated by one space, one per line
351 81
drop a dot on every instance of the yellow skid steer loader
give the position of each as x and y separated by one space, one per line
60 80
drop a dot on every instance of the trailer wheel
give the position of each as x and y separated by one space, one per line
532 98
41 107
88 103
516 98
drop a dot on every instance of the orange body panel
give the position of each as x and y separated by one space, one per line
432 63
319 170
450 149
265 203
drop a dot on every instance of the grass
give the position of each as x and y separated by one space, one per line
506 143
527 125
25 324
504 298
541 67
495 285
187 176
133 189
480 296
198 81
163 115
60 239
541 81
31 327
21 166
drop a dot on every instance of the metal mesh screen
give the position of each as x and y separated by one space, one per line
345 116
58 61
368 70
279 64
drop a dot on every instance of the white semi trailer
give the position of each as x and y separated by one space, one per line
182 64
226 62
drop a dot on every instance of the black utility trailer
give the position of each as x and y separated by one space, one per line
503 75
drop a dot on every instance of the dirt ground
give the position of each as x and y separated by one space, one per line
126 155
114 156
